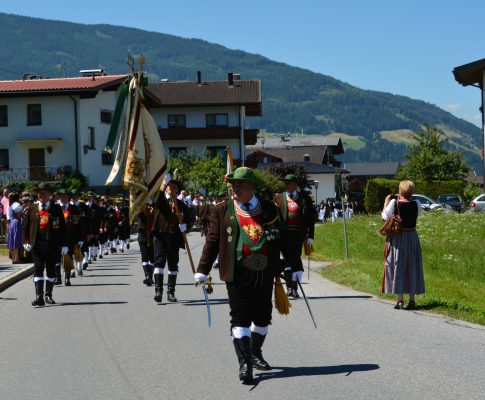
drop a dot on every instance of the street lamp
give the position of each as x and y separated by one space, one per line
343 175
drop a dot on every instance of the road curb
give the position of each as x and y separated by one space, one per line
16 277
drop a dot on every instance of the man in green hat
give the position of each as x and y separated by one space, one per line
247 234
297 210
93 222
44 234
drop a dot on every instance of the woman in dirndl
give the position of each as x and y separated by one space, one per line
14 235
403 262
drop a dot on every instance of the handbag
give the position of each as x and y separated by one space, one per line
393 225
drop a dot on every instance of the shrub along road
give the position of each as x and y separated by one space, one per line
107 339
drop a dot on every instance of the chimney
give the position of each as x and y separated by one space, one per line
306 157
230 78
199 77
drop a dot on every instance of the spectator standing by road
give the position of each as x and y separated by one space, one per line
14 235
403 268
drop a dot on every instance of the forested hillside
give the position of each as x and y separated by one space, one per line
294 99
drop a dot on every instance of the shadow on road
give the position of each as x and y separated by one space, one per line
108 269
201 302
88 303
99 284
289 372
104 275
338 297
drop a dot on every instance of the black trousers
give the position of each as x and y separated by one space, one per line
147 253
250 302
166 251
45 257
296 238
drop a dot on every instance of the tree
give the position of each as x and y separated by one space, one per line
428 160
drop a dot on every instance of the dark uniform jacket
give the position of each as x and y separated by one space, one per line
56 231
93 219
224 234
74 225
307 213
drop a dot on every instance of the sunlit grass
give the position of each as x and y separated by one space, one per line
453 248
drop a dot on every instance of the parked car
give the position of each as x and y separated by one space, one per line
427 203
451 201
478 203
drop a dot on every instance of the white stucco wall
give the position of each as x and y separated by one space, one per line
57 122
195 116
326 186
90 116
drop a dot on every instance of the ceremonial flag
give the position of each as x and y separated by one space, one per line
229 161
140 150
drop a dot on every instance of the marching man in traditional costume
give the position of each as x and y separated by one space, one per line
297 210
247 234
44 234
167 236
145 240
74 229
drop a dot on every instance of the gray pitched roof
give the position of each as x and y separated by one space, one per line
372 169
305 141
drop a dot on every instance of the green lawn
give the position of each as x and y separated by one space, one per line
453 248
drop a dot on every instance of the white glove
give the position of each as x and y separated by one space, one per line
200 278
183 227
27 247
80 243
64 250
309 241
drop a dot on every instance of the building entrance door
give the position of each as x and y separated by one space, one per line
37 164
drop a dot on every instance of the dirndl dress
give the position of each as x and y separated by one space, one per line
403 264
14 235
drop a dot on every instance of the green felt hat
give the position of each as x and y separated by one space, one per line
241 174
43 186
291 178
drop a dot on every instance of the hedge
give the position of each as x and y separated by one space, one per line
377 190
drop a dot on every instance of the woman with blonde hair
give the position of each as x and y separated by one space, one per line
403 263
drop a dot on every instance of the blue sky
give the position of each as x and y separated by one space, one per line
406 47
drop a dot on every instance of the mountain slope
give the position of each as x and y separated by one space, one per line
294 99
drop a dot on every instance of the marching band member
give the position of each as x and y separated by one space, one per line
297 210
245 231
44 234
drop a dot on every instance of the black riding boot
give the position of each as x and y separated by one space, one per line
67 278
243 352
145 270
58 280
39 294
150 274
259 362
287 277
295 289
48 292
172 280
158 287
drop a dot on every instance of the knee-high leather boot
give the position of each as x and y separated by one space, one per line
243 352
49 286
39 294
259 362
172 280
57 271
158 287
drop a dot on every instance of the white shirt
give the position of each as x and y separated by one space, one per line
46 205
253 203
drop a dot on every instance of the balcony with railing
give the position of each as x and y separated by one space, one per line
42 174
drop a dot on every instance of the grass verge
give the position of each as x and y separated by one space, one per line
453 257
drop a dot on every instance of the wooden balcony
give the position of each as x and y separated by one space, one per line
250 135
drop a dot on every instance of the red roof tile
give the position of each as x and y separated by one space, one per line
61 84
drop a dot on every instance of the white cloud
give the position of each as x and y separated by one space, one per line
453 107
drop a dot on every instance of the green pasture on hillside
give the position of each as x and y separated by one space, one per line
453 247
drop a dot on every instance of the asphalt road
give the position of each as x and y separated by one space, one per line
107 339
